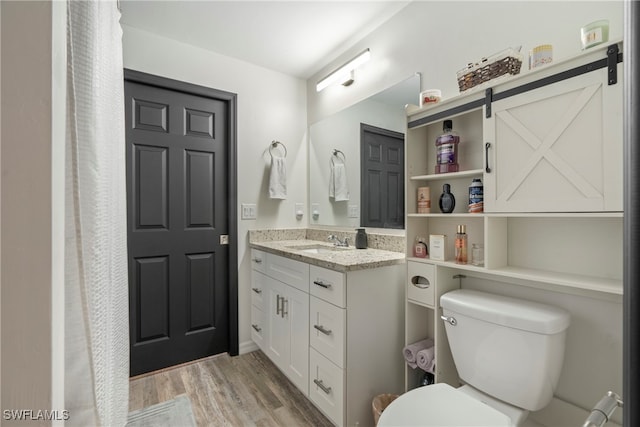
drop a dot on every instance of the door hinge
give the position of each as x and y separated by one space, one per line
224 239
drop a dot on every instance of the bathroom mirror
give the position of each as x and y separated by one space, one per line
340 134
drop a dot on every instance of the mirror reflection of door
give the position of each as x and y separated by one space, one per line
382 177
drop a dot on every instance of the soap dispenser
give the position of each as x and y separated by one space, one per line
361 238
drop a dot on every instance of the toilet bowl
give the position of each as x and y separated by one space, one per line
440 405
508 352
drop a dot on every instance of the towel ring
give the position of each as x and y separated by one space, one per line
335 154
274 144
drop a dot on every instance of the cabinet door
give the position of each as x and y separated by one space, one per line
277 337
296 313
557 148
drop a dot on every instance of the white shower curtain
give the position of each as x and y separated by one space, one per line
96 290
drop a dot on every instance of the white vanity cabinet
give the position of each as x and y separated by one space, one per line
337 335
547 145
356 340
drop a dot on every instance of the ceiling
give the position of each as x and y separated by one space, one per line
295 37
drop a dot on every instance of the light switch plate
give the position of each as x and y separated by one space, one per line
249 211
354 212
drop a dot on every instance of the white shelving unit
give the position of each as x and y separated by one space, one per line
553 213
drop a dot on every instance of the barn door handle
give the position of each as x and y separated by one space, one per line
487 169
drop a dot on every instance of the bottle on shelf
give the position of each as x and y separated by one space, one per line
447 149
476 196
461 245
447 202
420 249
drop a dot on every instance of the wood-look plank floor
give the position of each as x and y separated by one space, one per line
245 390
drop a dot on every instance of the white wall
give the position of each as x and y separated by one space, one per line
437 38
271 106
26 197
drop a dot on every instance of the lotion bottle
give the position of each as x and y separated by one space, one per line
461 245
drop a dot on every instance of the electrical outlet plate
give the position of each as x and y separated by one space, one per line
249 211
299 210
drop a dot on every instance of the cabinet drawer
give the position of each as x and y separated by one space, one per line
293 273
421 283
258 260
258 281
327 330
328 285
257 326
326 387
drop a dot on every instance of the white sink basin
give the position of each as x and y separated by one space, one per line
316 249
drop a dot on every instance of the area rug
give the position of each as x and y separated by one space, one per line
172 413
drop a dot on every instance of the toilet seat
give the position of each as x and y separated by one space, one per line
440 405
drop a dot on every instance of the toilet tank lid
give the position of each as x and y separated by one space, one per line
506 311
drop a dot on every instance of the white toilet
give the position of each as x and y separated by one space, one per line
508 353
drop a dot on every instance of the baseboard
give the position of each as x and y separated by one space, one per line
559 413
247 347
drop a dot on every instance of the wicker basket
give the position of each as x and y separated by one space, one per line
508 61
380 403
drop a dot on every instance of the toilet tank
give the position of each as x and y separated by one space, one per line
509 348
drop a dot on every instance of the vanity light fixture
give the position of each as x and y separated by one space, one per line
344 74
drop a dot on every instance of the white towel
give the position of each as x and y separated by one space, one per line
338 188
410 352
278 178
426 359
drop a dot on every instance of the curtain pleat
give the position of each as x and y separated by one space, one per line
96 289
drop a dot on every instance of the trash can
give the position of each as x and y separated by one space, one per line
380 403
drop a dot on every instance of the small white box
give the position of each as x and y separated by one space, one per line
437 246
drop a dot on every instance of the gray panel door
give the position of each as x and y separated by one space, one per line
381 177
177 211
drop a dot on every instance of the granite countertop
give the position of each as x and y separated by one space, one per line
329 256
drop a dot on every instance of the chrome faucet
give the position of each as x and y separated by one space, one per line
336 241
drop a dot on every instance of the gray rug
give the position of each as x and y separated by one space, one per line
172 413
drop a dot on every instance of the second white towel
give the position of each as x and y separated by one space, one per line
278 178
338 188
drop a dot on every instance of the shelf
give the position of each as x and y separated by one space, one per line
521 215
450 175
566 280
443 215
